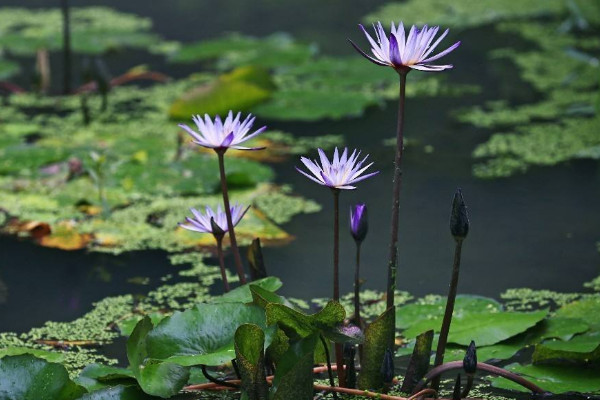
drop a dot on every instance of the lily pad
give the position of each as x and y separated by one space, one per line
554 379
157 378
587 309
26 377
239 90
233 50
411 314
582 348
201 335
243 294
484 328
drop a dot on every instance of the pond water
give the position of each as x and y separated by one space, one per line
537 230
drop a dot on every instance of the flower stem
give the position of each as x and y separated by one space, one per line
336 244
397 181
339 356
357 319
442 340
231 230
219 239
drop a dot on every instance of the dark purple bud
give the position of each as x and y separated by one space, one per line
456 395
387 367
470 360
216 230
358 222
459 218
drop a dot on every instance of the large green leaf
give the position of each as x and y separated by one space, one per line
554 379
410 314
26 377
203 334
583 348
306 104
487 329
119 392
587 309
239 90
242 294
155 377
249 351
98 376
484 328
377 336
297 324
272 51
294 374
51 356
555 327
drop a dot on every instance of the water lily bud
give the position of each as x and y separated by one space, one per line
358 222
387 368
459 218
456 395
470 360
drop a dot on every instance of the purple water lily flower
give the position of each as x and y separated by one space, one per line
222 135
358 222
402 52
202 222
340 173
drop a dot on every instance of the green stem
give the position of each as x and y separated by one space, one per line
336 244
231 230
397 183
443 339
357 319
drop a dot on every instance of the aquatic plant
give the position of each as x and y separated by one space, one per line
338 174
459 227
402 53
215 223
359 226
220 136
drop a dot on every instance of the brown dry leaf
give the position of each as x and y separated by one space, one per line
65 237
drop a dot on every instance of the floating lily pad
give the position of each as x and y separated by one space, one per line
94 30
201 335
582 348
239 90
587 309
553 378
243 294
234 50
462 14
410 314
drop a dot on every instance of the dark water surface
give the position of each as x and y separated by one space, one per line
536 230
